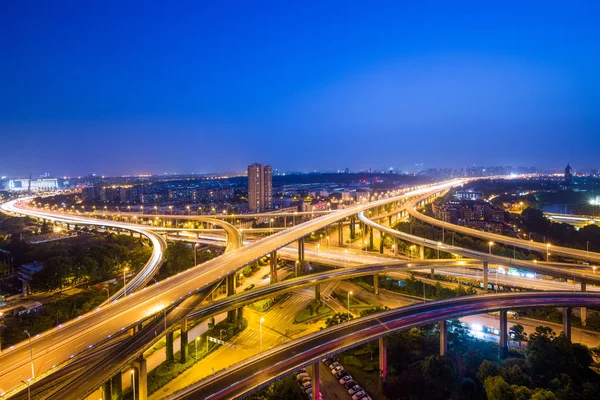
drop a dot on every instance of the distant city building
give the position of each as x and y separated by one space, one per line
468 195
42 184
568 175
260 187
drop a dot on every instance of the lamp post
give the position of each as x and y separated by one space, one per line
438 249
30 353
261 344
124 287
547 251
296 268
490 244
349 293
107 293
197 337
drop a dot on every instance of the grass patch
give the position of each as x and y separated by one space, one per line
266 304
356 302
313 312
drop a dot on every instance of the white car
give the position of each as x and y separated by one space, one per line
345 379
354 389
359 395
301 376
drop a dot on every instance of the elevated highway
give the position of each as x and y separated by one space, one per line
263 369
496 238
57 345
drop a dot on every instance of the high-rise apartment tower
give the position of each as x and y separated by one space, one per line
260 187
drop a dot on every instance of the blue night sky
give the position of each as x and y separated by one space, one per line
150 87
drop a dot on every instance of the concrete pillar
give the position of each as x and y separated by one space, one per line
316 388
432 273
116 386
443 338
141 379
583 309
421 252
273 263
376 283
230 284
485 275
318 292
341 233
370 238
301 251
567 322
383 358
396 244
381 237
106 390
183 342
503 334
352 228
170 355
240 317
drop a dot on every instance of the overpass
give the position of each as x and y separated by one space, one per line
261 370
56 345
543 248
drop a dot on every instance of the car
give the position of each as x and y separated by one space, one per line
301 371
367 397
335 365
328 361
340 374
354 389
307 385
301 376
359 395
345 379
306 379
349 384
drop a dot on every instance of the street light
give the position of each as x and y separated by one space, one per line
124 287
547 251
438 249
197 337
133 382
296 268
261 322
490 246
30 353
107 293
349 293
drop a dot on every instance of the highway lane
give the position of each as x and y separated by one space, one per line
491 258
258 371
59 344
520 243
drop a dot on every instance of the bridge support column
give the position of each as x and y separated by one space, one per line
141 378
381 237
383 358
370 238
341 233
443 338
432 273
230 281
376 283
583 309
485 275
240 317
183 341
170 355
318 292
106 390
421 252
273 263
116 386
395 245
316 388
301 251
503 334
567 322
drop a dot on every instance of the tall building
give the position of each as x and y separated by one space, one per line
568 175
260 187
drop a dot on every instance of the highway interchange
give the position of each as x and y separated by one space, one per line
56 346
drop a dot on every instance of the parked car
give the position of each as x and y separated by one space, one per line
306 379
301 371
359 395
301 376
335 365
345 379
328 361
307 385
367 397
340 374
349 384
354 389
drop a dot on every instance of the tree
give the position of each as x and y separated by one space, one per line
496 388
517 332
337 319
440 376
179 257
543 394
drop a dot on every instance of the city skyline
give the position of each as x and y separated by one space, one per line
83 87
